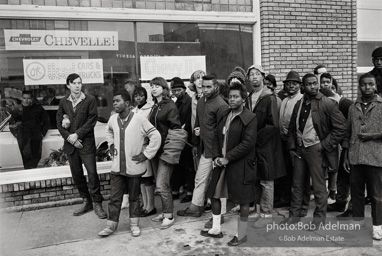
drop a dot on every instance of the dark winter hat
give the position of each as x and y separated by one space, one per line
293 76
237 72
177 82
377 52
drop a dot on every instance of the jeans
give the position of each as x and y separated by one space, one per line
372 177
89 160
309 163
119 183
162 172
264 195
332 181
31 156
202 178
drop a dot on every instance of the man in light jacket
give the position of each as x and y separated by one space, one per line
126 133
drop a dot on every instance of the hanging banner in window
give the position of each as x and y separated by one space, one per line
171 66
55 71
60 40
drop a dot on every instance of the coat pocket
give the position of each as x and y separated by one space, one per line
250 171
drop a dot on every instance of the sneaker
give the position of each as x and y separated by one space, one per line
235 209
377 232
254 216
263 221
331 201
135 231
158 218
167 223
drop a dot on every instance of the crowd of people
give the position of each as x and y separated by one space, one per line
241 141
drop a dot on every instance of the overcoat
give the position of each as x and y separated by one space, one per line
270 158
241 153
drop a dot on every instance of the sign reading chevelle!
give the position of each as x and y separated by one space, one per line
60 40
55 71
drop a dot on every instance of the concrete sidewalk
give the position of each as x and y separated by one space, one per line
55 231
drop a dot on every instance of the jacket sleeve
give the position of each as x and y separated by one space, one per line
109 132
59 117
246 145
338 124
154 139
272 122
291 142
91 119
346 141
45 121
173 118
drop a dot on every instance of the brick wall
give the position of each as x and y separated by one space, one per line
33 195
300 34
189 5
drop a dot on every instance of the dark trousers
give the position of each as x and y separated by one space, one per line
283 184
89 160
372 177
184 173
310 164
119 183
30 150
343 184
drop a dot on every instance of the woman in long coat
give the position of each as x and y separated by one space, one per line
235 173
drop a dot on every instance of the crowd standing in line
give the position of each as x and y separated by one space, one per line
262 149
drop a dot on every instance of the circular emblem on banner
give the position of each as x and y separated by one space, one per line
35 71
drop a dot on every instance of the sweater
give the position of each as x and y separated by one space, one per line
128 139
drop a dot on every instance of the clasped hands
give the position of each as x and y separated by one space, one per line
221 161
73 139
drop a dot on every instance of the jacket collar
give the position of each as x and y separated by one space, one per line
246 116
376 98
317 97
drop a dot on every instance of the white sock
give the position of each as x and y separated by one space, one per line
215 225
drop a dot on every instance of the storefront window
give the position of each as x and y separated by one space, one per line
37 55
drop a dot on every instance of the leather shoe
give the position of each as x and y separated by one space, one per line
347 215
99 210
235 241
186 199
367 200
291 220
188 212
336 207
152 212
87 206
206 234
209 222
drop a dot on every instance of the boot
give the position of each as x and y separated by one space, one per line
111 226
134 227
99 210
336 207
87 206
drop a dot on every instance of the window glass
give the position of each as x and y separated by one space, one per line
47 51
224 46
364 53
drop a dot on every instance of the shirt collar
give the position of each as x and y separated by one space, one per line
82 97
